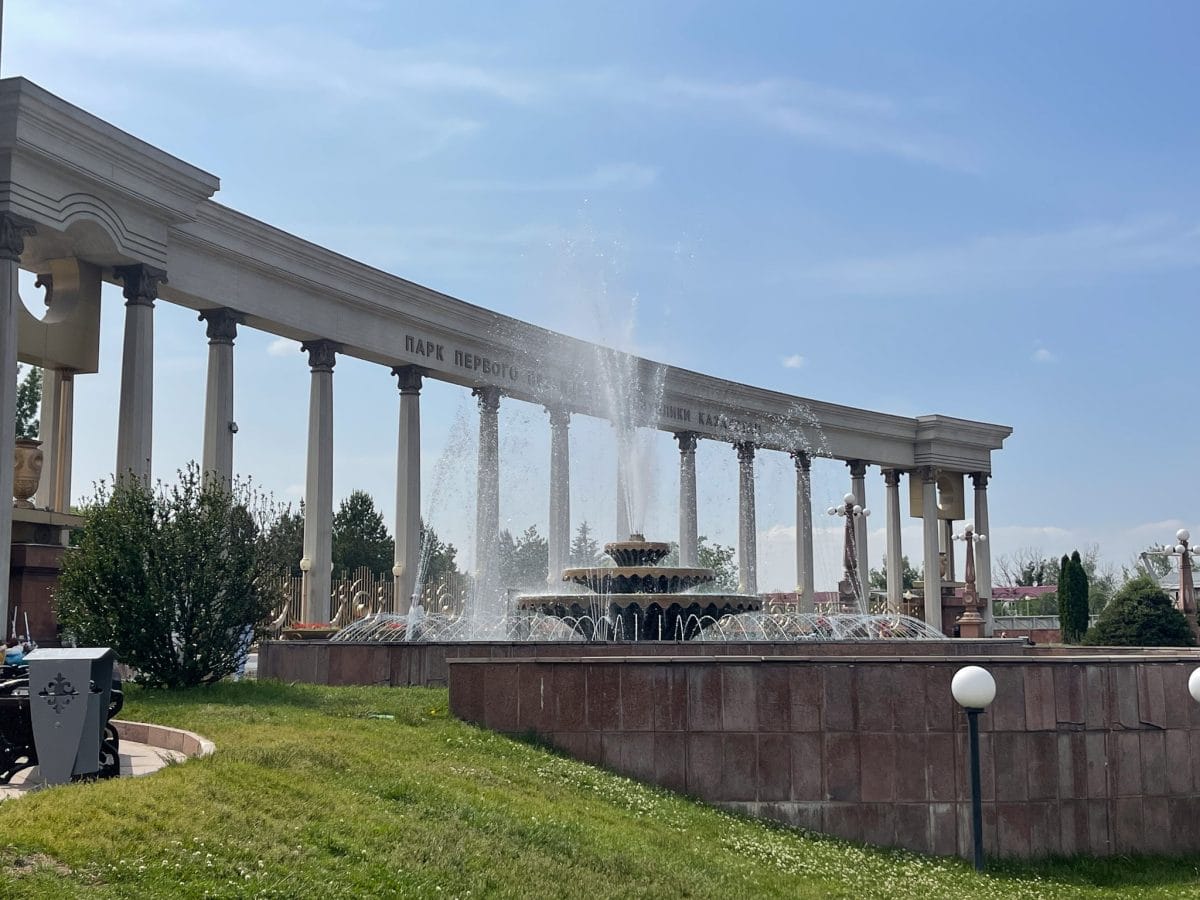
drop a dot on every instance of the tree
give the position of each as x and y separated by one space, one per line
171 578
1073 599
29 398
1140 614
1027 568
360 538
721 559
524 562
585 551
877 578
439 558
282 542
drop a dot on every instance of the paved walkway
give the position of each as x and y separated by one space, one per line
136 759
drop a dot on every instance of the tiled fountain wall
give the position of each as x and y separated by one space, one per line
1096 754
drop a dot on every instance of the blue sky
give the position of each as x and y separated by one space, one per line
984 210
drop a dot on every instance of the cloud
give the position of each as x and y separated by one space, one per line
282 346
1042 355
1017 260
795 361
611 176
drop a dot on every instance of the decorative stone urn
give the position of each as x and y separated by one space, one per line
27 470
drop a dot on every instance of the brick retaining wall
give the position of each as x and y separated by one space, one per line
1081 753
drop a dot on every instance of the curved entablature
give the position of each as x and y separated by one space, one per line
78 178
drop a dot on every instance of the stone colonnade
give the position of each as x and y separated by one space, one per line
140 285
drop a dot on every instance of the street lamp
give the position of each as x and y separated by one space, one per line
970 623
1187 592
974 689
850 587
1194 685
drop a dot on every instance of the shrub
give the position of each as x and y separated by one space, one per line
1140 614
170 578
1073 599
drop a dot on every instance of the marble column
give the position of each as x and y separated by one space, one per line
689 529
559 538
858 487
406 569
487 502
946 537
747 527
805 579
933 572
56 430
135 416
318 491
895 553
219 426
12 243
983 552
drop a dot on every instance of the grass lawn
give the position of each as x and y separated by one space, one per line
308 796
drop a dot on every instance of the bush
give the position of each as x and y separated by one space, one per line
1140 614
171 578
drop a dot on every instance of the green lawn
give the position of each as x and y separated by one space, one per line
308 796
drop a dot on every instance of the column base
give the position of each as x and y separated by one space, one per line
970 625
33 576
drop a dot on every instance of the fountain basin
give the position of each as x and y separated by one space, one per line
640 616
645 579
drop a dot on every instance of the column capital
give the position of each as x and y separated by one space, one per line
745 451
687 441
140 283
560 416
221 324
803 460
13 230
858 468
980 480
409 378
322 354
489 399
891 477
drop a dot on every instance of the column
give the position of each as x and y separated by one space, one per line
805 579
933 572
689 529
219 426
747 534
12 244
135 417
983 552
487 501
318 490
946 536
406 569
895 554
559 538
858 487
56 428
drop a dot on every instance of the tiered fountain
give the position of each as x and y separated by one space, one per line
638 599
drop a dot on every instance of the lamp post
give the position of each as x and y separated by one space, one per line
1194 685
850 589
1187 591
974 689
970 623
305 566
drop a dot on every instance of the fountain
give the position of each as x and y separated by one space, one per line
638 599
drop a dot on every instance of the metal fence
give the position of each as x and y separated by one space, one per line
362 593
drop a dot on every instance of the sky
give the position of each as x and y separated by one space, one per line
987 210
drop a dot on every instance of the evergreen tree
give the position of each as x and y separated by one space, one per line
282 542
1141 614
1064 625
585 551
524 562
360 538
29 398
1077 600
